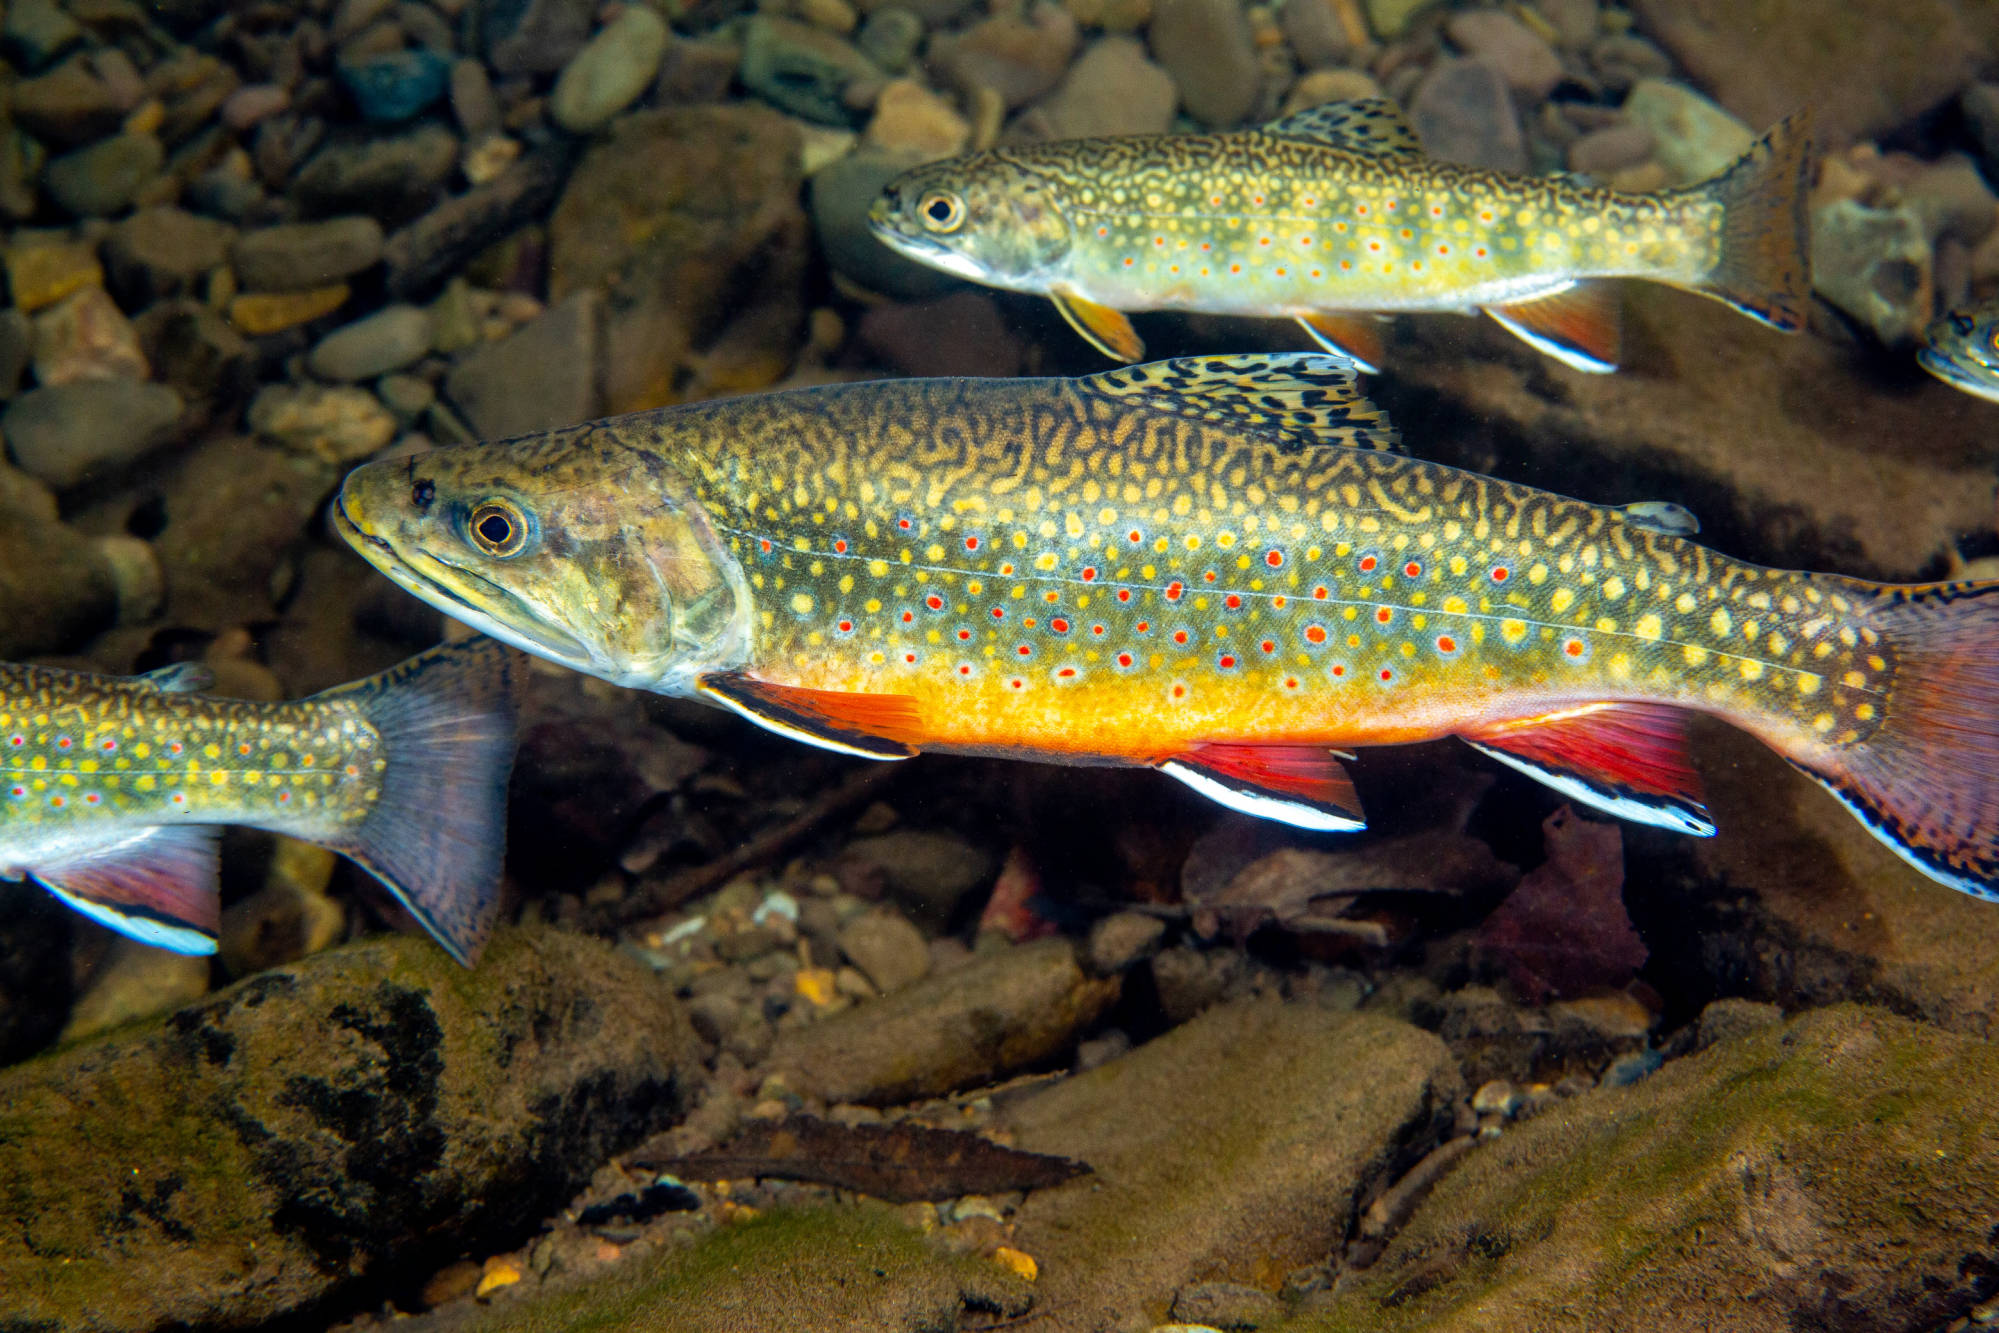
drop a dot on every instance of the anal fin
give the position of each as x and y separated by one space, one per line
1579 326
1355 337
1628 760
1106 329
156 885
870 726
1302 785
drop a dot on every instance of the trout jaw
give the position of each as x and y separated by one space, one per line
1012 234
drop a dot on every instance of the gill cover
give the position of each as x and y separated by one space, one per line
570 544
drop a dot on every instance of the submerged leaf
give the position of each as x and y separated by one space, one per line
902 1163
1564 930
1304 890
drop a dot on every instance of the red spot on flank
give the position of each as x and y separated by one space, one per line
1574 647
173 747
1066 673
112 745
1089 573
1321 592
62 742
1264 241
971 543
1134 536
1500 573
1096 629
1360 209
964 669
1159 240
1103 231
1179 691
1059 625
904 524
1235 268
1124 659
1386 674
1346 263
964 635
909 657
1315 634
1129 261
845 627
1124 594
243 748
839 546
18 791
1226 662
1280 272
17 740
283 796
1208 577
1436 210
1390 205
908 616
1446 644
1174 590
57 801
1411 570
1383 614
999 613
1443 249
934 602
1273 558
1027 622
1051 597
1018 683
1480 252
1143 627
1277 602
1232 602
91 798
1025 651
1339 670
1367 564
764 544
1179 636
1268 645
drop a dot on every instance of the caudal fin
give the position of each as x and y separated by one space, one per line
1765 268
1926 779
437 832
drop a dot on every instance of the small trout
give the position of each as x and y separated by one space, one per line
1335 210
111 788
1962 350
1199 566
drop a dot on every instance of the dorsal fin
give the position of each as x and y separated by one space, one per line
1299 399
1371 125
1664 517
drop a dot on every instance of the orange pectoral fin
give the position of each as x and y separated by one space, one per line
1303 785
1629 760
1106 329
1580 327
872 726
1355 337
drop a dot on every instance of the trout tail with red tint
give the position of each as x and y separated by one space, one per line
1926 780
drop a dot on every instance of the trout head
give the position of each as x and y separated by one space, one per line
572 545
1962 349
988 217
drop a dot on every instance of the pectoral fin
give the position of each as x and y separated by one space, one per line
1579 326
1302 785
1355 337
156 885
1629 760
1106 329
871 726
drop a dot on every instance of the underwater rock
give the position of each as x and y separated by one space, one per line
1391 18
45 266
1122 940
387 340
1236 1147
158 254
1317 36
261 313
86 337
429 251
1528 65
1833 1171
392 178
889 951
56 587
996 1015
911 119
1112 89
688 220
891 37
1865 68
37 31
370 1108
1602 153
105 178
1693 138
541 376
1463 113
69 432
608 73
396 86
306 254
1019 56
801 69
336 424
134 981
81 100
842 193
933 876
533 36
16 349
1876 265
1207 47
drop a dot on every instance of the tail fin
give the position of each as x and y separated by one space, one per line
1764 269
1926 781
437 833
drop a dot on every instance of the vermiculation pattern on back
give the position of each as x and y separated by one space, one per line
1028 548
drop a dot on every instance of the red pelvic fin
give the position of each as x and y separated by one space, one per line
156 885
1358 338
872 726
1926 781
1296 784
1629 760
1580 326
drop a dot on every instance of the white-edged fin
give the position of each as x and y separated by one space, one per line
1578 325
180 678
1663 517
1300 785
1355 337
156 885
1299 400
436 834
867 726
1657 811
1973 379
1374 126
1105 329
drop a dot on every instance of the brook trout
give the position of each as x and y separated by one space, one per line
1335 210
1214 567
111 788
1962 350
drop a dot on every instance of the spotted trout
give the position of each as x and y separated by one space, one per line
1212 567
111 788
1335 210
1961 348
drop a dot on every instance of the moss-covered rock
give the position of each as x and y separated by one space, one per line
1834 1172
810 1270
1235 1147
370 1111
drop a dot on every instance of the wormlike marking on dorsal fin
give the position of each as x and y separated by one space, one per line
180 678
1663 517
1296 399
1371 125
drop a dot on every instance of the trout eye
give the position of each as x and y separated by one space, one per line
498 528
942 212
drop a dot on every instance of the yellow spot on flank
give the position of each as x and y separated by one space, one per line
1864 712
1750 668
1823 722
1563 599
1720 623
1649 626
1684 603
1613 587
1693 654
1512 630
801 602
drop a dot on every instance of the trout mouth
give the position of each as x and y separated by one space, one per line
483 604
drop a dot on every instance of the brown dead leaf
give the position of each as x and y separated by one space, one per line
1304 890
1564 930
902 1163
